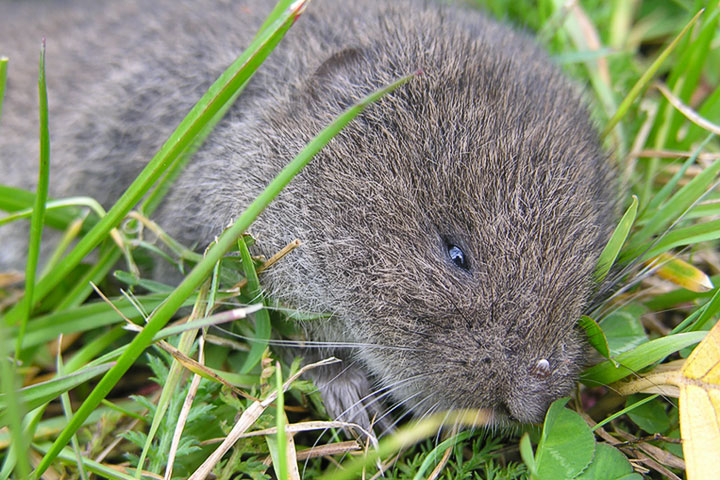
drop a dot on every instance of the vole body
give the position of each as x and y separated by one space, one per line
452 229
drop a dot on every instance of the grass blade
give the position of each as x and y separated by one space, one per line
643 81
688 112
404 437
611 250
680 237
53 205
437 452
8 377
622 412
36 223
16 199
37 394
103 471
280 460
3 80
685 75
641 357
700 318
67 410
83 287
681 273
664 192
262 317
709 109
12 411
85 318
595 336
678 204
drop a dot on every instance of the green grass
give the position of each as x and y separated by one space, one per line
670 175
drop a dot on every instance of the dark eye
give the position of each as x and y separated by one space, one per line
458 256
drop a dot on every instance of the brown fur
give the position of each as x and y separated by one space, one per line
491 149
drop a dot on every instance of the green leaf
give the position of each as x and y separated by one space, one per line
608 464
595 335
567 445
651 416
611 250
623 330
641 357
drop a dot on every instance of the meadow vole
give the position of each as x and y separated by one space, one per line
452 229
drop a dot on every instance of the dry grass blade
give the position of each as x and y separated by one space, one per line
663 379
297 427
10 278
634 451
247 419
689 113
330 449
441 465
269 263
703 156
184 412
186 361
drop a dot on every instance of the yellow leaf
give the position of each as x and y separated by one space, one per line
700 408
682 273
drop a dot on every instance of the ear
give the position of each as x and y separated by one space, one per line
338 62
337 75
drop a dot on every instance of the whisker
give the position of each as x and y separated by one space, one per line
388 390
316 343
437 435
407 412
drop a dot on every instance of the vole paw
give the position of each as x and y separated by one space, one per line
347 395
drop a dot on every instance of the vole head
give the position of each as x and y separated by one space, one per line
455 225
